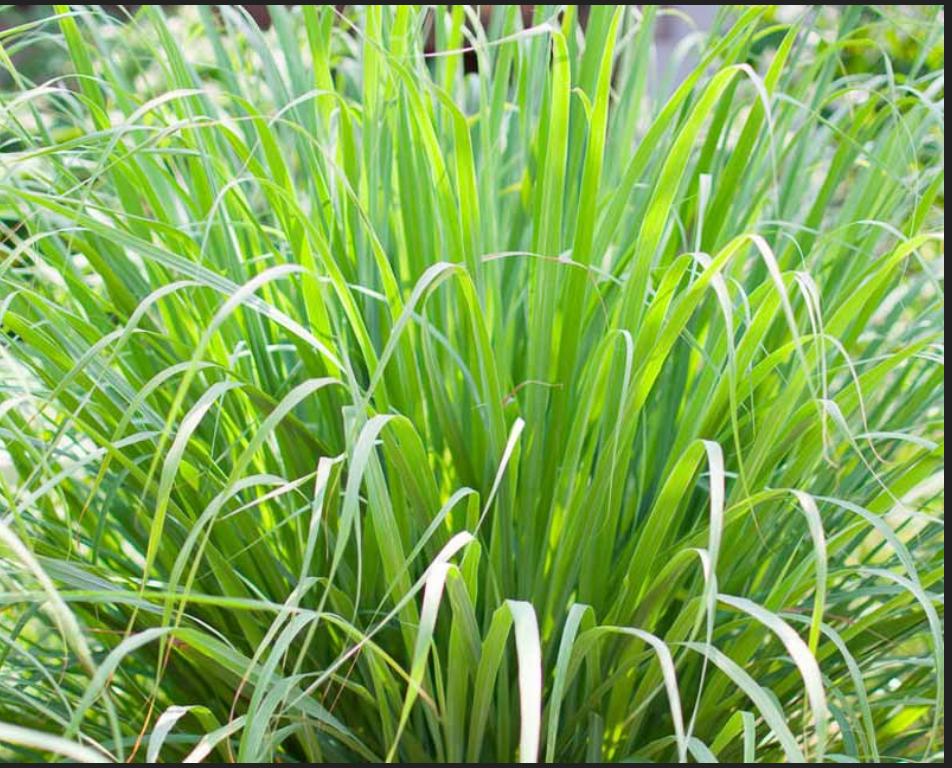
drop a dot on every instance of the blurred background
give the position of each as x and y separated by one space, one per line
26 35
41 63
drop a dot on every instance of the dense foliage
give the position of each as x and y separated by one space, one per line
409 383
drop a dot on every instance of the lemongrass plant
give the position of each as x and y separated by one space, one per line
419 384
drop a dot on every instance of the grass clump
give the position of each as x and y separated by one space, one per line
503 402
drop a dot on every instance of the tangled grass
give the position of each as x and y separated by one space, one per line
507 401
